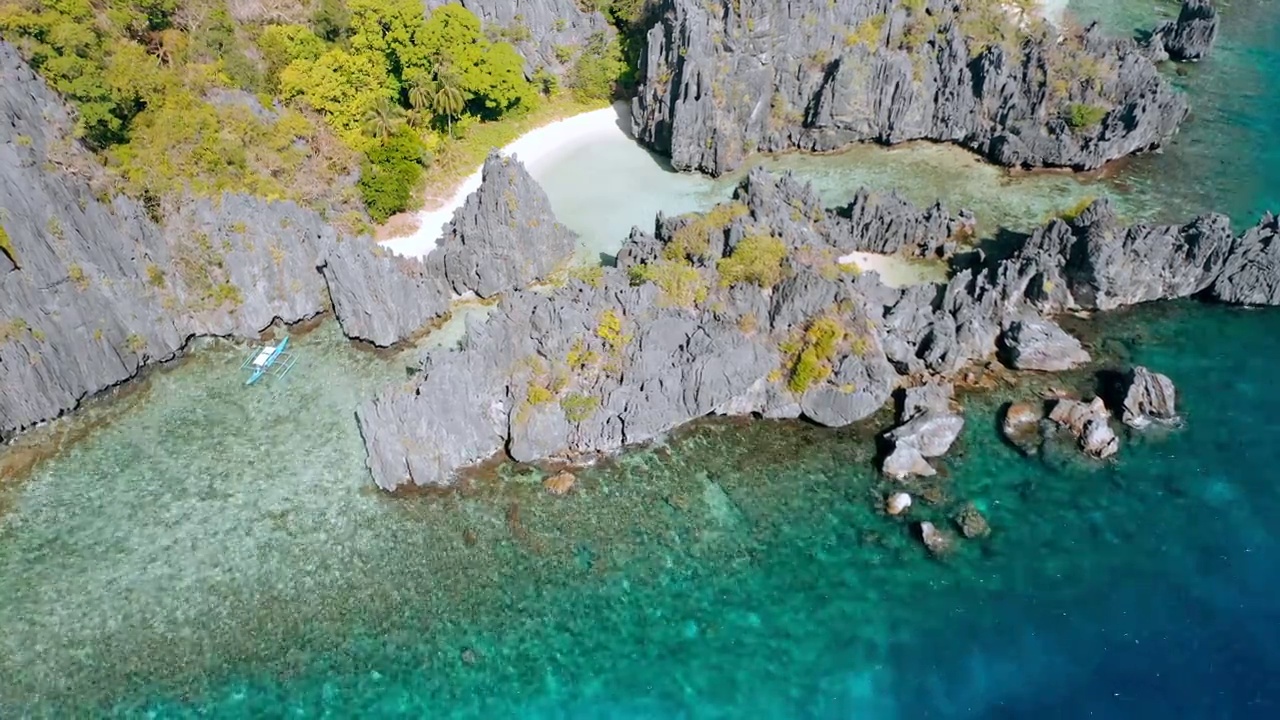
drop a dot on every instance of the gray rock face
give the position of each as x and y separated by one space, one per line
91 289
379 297
1251 273
724 80
1038 344
505 235
928 429
1190 37
536 27
1150 397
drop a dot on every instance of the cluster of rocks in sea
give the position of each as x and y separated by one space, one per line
724 80
92 287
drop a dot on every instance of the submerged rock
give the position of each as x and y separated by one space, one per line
1038 344
1150 397
505 236
897 503
1190 37
560 483
720 84
938 542
1089 423
971 522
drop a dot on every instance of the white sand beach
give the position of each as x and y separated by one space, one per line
896 271
536 147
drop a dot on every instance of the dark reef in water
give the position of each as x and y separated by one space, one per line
723 80
746 309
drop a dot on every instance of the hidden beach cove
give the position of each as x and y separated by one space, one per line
505 367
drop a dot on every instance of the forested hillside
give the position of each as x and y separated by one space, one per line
342 105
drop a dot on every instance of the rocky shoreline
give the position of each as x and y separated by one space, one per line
725 80
93 287
745 310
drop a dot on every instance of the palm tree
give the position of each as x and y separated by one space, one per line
382 119
420 94
446 97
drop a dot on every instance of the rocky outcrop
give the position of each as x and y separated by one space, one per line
723 80
1190 37
1089 424
505 236
745 310
1250 274
928 429
92 288
379 297
1150 397
537 28
1039 344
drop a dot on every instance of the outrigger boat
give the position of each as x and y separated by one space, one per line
268 359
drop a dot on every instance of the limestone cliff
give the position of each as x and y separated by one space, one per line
1190 37
722 80
505 236
745 310
92 288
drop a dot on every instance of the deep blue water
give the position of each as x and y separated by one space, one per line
744 570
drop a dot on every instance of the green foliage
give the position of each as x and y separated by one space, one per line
599 66
758 259
340 86
1080 115
181 142
331 20
392 169
869 32
578 407
538 395
682 285
490 75
580 356
693 240
135 344
609 329
812 357
6 246
282 45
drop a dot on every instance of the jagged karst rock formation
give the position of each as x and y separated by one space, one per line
380 297
536 27
1089 424
745 309
723 80
92 288
505 236
1251 273
1190 37
1150 397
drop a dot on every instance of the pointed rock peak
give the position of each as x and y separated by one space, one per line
505 236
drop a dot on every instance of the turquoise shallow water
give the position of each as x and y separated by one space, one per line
216 553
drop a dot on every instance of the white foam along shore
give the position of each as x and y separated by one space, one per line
536 147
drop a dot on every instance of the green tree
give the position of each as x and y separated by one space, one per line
283 44
447 98
339 85
598 68
490 75
383 119
392 168
332 20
